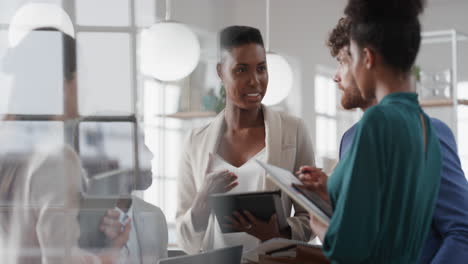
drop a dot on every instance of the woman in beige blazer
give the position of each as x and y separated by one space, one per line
245 129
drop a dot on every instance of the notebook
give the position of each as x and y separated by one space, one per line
307 199
272 247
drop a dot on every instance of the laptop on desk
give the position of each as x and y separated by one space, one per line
229 255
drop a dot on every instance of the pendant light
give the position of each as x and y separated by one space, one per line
38 15
170 50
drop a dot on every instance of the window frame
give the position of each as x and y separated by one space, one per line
71 125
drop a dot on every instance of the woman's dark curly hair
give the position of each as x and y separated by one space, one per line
391 27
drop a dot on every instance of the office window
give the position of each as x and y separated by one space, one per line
104 68
110 142
165 137
145 13
463 127
112 96
106 80
332 121
325 96
35 92
326 122
34 69
6 80
26 135
103 12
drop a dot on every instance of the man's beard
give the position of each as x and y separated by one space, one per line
352 99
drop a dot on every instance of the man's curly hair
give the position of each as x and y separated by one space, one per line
339 36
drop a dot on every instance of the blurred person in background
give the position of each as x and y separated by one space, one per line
148 238
40 185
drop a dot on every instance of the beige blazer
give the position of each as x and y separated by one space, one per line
288 145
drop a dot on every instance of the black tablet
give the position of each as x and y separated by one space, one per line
260 204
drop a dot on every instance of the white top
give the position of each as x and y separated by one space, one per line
250 177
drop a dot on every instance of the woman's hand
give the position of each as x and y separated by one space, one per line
215 182
314 179
219 182
251 225
318 227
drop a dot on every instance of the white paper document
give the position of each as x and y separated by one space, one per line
274 244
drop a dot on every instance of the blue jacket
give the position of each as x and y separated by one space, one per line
448 238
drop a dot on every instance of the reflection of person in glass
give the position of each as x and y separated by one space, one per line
148 235
246 130
384 189
41 184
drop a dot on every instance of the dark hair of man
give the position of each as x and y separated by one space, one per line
235 36
339 36
391 27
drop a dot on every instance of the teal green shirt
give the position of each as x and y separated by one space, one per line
384 189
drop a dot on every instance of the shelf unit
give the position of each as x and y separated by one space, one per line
451 37
190 115
442 102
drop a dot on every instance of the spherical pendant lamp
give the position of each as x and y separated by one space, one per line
280 79
169 50
38 15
